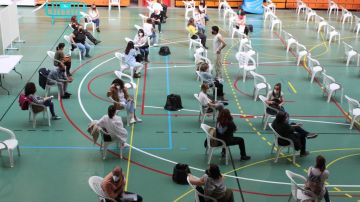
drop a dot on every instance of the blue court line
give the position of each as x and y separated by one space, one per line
85 148
168 93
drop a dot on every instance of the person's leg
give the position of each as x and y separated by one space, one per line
97 22
159 26
326 195
299 129
219 87
87 48
237 141
82 48
91 37
202 38
65 85
201 190
138 67
302 140
61 88
68 66
49 104
218 66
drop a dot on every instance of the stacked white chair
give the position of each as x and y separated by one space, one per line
290 40
298 189
9 145
314 66
223 4
189 8
332 33
210 149
300 7
114 3
259 84
243 42
227 12
301 52
332 7
330 86
88 21
246 63
267 13
354 110
350 53
279 147
346 15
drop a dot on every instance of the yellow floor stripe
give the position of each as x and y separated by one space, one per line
292 87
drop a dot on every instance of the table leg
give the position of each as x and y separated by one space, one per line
17 72
1 86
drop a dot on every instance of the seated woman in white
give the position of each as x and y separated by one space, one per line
206 102
113 125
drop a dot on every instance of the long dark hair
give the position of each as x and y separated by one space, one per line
30 88
119 82
129 46
191 22
214 171
203 3
224 117
141 31
60 46
273 92
111 111
320 163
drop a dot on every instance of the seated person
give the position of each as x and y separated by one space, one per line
30 90
57 76
241 22
141 42
118 92
194 33
61 59
291 131
275 99
113 125
75 25
164 11
199 19
113 185
156 19
225 129
206 102
212 184
209 79
79 37
203 10
150 31
130 59
95 16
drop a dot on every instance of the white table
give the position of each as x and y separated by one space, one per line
8 63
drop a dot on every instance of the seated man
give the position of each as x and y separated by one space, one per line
206 102
292 131
79 37
57 76
113 185
156 18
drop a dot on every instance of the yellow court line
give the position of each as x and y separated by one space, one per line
131 140
292 87
341 158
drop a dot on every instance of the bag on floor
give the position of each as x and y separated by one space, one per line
180 173
43 74
173 102
164 51
24 102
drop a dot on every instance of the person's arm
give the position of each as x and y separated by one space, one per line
196 181
231 128
223 44
282 100
72 36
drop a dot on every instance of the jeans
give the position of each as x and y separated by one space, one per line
130 106
50 104
83 48
90 37
144 51
97 22
153 38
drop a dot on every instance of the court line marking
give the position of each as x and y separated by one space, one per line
170 144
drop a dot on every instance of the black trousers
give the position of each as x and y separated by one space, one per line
50 104
90 36
68 66
139 198
201 36
230 141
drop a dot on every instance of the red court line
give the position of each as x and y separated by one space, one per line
89 87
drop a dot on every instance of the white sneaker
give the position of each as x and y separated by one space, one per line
132 120
138 120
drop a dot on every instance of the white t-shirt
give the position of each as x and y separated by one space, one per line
157 6
114 127
203 98
148 28
217 42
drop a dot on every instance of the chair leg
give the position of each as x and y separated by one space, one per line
34 120
272 148
290 197
104 151
227 155
329 96
18 150
277 154
312 77
210 155
294 156
48 116
11 158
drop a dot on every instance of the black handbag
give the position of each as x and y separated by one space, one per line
180 173
164 51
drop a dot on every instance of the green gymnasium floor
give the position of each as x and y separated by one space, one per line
57 161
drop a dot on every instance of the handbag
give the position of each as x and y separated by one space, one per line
180 173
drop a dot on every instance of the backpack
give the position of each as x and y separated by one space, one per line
173 102
164 51
24 102
43 74
180 173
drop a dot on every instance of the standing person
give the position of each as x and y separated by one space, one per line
61 59
275 99
150 31
164 11
141 42
225 129
118 92
79 37
57 76
75 25
316 179
218 45
214 185
130 54
156 18
95 16
113 185
194 33
30 90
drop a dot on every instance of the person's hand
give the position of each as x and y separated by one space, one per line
70 79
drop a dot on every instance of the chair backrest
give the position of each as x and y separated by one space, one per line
344 11
329 28
120 57
295 186
347 47
202 110
9 132
67 39
352 103
299 47
311 62
209 137
277 136
327 80
137 27
258 78
287 35
51 54
131 84
95 185
263 100
244 59
197 193
243 42
86 16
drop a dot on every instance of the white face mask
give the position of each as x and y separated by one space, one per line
118 87
115 178
141 34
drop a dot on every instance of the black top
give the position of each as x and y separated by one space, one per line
284 130
80 37
228 132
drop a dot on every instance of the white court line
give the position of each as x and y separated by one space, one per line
324 122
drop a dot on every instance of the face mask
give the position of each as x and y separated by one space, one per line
118 87
141 34
212 32
115 178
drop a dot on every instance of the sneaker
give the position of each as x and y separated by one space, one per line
97 41
65 96
88 56
132 120
245 158
311 135
67 93
97 29
304 154
138 119
137 75
56 117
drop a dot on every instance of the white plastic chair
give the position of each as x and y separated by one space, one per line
210 149
321 24
9 145
346 15
332 7
297 189
120 57
232 21
274 20
223 4
300 7
227 12
68 40
243 42
95 185
137 27
357 25
189 7
350 53
129 85
114 3
194 43
239 32
330 86
246 63
203 110
301 52
105 144
143 18
267 13
259 84
314 66
279 147
354 110
35 109
332 33
310 14
266 116
271 6
201 54
290 40
88 21
197 193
